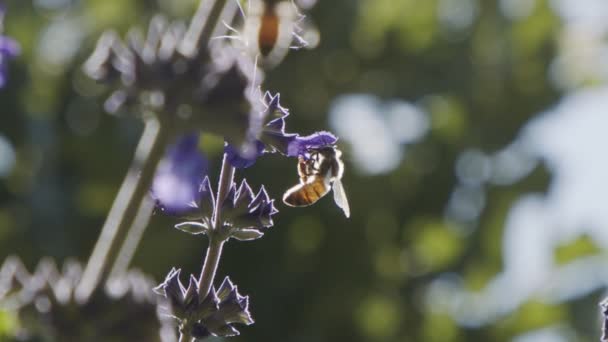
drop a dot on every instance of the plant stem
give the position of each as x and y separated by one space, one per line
212 261
226 180
133 238
134 188
196 32
214 251
203 24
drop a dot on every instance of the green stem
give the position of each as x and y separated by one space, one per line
214 251
134 188
212 261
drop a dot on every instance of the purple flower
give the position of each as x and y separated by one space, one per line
273 138
245 158
208 90
299 146
245 215
216 315
8 50
177 183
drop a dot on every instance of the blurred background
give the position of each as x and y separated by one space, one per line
473 134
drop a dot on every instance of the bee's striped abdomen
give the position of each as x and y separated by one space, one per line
306 194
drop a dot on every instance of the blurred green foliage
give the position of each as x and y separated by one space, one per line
315 276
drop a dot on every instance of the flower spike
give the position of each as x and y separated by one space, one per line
213 316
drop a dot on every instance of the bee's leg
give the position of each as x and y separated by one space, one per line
303 171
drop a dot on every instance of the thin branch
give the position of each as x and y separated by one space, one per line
134 188
134 236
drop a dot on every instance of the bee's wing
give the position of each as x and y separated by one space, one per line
340 197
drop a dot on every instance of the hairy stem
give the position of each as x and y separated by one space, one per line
134 188
226 180
214 251
212 261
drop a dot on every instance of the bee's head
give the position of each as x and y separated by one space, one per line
328 152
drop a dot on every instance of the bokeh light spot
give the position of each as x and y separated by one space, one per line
473 167
435 245
377 132
378 317
407 122
440 328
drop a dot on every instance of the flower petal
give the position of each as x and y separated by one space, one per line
246 158
301 145
9 47
178 178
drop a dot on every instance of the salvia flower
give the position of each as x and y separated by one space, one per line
273 137
176 183
215 315
208 90
245 214
9 49
47 310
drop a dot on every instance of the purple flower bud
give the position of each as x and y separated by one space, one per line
213 316
173 290
245 216
244 195
233 308
177 183
206 199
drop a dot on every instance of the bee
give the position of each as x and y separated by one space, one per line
319 173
